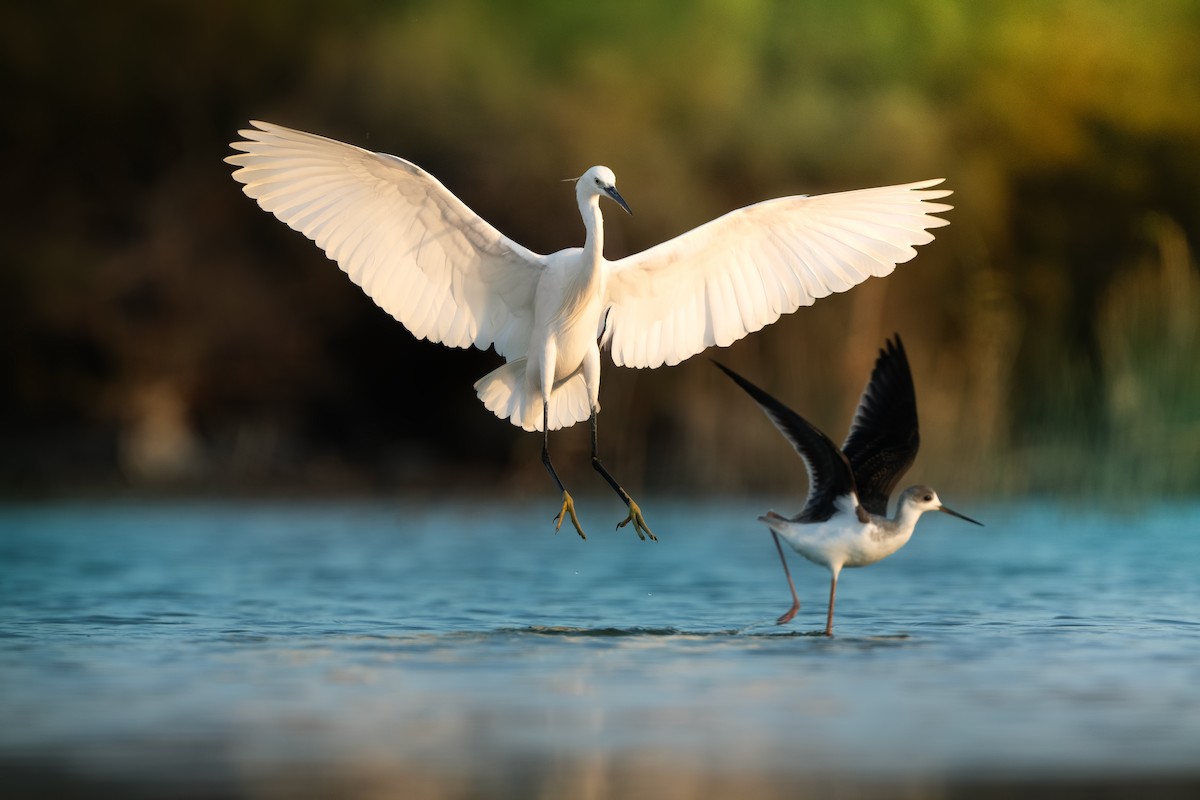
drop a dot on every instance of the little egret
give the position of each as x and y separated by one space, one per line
844 521
450 277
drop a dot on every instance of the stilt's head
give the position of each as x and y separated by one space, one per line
601 182
919 499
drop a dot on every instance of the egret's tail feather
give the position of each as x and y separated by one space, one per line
507 394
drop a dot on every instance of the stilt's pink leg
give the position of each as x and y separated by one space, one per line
832 594
791 612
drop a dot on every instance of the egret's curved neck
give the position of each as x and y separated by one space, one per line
593 223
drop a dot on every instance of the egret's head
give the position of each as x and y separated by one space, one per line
924 498
602 182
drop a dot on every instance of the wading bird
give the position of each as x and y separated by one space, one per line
450 277
844 521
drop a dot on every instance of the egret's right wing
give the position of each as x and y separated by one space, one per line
829 474
737 273
413 247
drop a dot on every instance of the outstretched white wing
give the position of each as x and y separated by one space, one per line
412 246
740 272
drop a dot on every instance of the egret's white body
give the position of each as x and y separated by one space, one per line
844 522
450 277
562 361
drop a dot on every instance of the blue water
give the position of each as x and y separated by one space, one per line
441 650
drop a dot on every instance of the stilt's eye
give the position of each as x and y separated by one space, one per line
928 498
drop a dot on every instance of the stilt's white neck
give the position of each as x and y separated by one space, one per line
906 518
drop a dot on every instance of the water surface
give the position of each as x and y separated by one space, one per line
438 650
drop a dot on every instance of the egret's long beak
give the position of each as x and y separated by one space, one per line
615 195
954 513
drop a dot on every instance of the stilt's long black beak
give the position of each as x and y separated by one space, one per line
954 513
615 195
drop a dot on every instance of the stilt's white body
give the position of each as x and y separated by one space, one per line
844 540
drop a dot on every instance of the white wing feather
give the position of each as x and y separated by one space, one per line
740 272
412 246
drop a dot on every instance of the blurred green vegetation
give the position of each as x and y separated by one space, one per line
159 329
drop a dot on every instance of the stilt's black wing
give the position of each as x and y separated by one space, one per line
829 473
883 439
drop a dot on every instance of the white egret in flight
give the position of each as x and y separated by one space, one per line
450 277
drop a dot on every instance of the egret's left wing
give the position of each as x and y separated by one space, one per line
740 272
414 248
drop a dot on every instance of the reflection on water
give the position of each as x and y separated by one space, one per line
354 650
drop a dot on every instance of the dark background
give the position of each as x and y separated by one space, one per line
158 332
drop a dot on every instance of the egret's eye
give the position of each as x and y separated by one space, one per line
598 183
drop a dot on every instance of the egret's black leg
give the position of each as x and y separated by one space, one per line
568 506
635 513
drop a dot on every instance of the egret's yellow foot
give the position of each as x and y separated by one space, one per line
639 522
568 508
